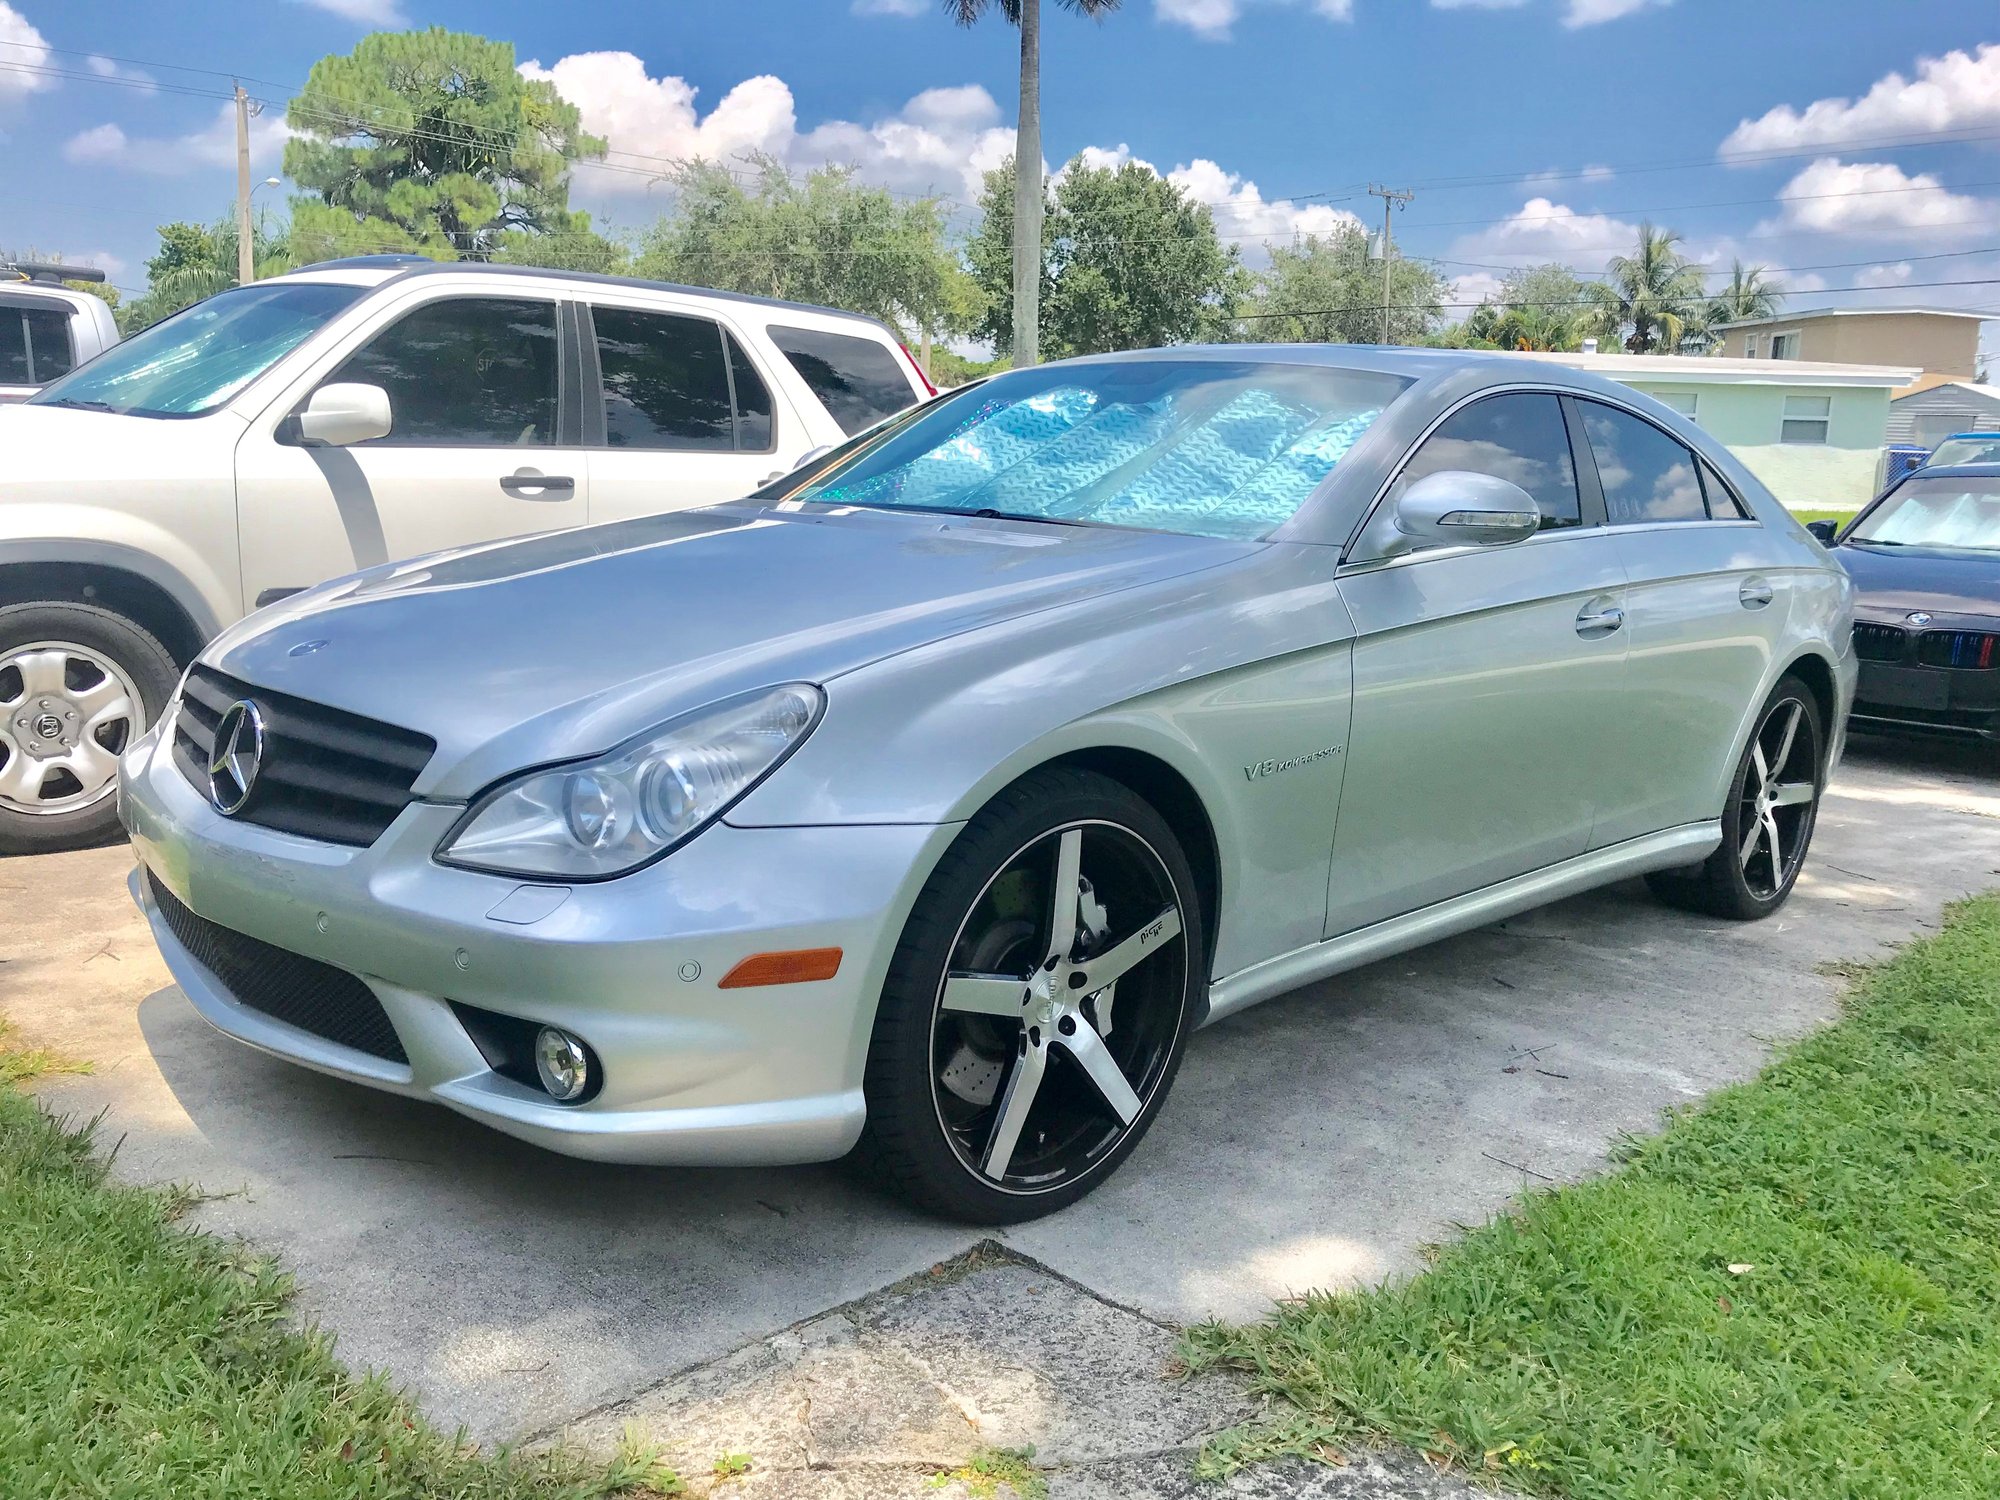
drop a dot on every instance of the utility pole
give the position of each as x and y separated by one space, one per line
246 270
1392 198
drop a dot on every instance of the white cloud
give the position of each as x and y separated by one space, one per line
21 46
1877 198
213 146
1958 91
1554 176
363 12
1212 19
1243 216
1595 12
1542 230
944 139
105 67
1891 275
892 7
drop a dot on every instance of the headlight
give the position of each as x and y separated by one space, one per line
594 819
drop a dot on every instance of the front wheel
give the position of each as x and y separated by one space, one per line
1768 822
1038 1004
77 685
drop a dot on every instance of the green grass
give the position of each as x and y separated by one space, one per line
994 1472
1805 516
1793 1291
20 1064
138 1360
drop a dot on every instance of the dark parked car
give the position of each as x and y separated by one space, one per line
1925 559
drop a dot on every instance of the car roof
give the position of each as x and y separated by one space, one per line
1955 471
380 270
1953 436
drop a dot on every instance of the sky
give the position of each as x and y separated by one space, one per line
1852 146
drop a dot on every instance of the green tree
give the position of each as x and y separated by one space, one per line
198 260
1546 307
1129 260
1749 293
432 142
1323 289
1025 222
1648 294
826 238
580 248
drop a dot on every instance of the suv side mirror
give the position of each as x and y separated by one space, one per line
337 415
1826 531
1457 508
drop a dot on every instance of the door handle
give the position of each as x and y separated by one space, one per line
533 484
1755 593
1599 618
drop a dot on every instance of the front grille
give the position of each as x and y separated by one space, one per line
285 986
1965 650
326 774
1874 642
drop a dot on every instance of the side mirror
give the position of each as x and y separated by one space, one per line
338 415
1826 531
811 456
1457 508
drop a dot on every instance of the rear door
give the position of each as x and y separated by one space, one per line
36 345
1483 678
1704 619
483 447
679 414
856 378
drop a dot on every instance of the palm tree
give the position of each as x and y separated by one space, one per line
1750 294
1649 292
1027 14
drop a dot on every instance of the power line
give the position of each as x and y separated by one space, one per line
1322 312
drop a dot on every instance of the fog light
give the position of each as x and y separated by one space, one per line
563 1064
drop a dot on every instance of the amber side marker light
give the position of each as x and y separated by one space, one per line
795 966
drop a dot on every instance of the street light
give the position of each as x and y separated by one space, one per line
267 182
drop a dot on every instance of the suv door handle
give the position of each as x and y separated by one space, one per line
533 484
1755 593
1599 618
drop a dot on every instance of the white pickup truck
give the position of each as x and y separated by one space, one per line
48 329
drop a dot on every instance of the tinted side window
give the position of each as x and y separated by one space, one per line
857 380
1724 504
14 368
48 342
1519 438
666 381
1646 475
753 402
465 372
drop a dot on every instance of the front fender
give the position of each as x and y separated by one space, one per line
63 534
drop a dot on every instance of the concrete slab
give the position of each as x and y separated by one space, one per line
1318 1140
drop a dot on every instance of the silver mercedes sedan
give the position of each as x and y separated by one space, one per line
927 800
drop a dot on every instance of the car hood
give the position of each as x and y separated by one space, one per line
1897 580
45 451
567 644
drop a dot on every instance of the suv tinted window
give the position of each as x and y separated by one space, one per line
679 383
1519 438
1647 476
475 372
857 380
34 345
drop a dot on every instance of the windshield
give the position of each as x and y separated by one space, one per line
1936 513
1219 448
1976 448
201 356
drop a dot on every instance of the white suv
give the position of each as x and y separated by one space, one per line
346 415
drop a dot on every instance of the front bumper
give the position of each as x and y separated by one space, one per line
1907 696
692 1073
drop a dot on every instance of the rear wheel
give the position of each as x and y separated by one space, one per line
1768 823
78 684
1038 1003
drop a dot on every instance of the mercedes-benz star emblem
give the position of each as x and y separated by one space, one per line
1920 618
237 757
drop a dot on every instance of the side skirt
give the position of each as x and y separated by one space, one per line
1675 847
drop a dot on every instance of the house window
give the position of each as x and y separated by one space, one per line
1749 346
1684 402
1806 419
1784 346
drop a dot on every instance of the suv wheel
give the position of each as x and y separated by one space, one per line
78 684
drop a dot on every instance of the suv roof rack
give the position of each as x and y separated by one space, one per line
47 271
385 261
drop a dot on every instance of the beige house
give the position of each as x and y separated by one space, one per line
1935 340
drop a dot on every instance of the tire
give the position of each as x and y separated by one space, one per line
68 668
991 1109
1742 880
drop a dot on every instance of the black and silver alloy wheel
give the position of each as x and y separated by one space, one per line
78 684
1039 1002
1767 824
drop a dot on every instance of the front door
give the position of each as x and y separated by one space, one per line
481 448
1482 682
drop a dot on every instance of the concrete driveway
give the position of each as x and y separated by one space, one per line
1321 1139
